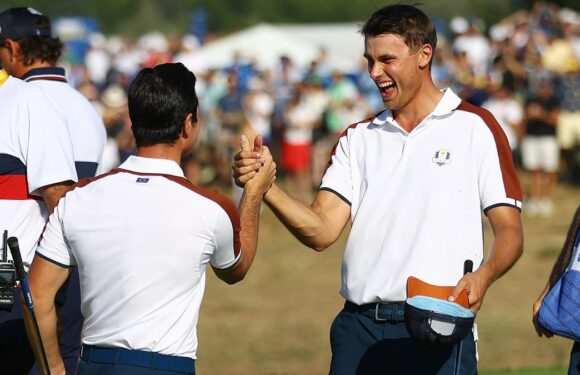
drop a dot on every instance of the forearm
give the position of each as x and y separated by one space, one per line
506 249
249 217
301 219
504 252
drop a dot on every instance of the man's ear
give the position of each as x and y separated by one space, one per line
188 128
13 47
425 55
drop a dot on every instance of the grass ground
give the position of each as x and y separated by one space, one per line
277 320
554 371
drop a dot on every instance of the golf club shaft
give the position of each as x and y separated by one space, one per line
30 318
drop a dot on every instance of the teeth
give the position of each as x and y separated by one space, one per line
385 85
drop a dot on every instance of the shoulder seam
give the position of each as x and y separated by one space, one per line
508 171
343 134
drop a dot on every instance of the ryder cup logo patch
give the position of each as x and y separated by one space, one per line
442 157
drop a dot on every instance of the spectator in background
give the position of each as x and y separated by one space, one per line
508 111
317 98
258 106
540 151
120 141
476 47
568 130
300 119
284 80
189 55
98 61
342 92
231 117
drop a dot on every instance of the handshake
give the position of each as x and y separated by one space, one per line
254 169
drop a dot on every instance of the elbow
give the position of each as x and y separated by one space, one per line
318 243
319 247
520 250
234 279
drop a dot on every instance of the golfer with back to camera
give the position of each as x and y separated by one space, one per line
413 180
141 237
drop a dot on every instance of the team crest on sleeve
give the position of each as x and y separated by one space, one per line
442 157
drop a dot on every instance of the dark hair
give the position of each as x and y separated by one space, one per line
160 98
40 48
406 21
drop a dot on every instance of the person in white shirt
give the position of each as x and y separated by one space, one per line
509 113
413 182
36 168
141 237
33 59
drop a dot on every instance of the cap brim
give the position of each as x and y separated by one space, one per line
417 287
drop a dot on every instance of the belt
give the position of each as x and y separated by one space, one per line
138 358
392 312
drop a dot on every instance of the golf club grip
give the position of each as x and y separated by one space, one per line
467 267
20 274
16 257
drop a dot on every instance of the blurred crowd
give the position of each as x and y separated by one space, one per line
525 70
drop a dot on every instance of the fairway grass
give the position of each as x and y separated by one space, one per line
553 371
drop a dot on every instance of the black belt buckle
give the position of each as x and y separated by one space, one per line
391 314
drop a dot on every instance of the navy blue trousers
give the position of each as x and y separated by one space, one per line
86 368
362 346
16 356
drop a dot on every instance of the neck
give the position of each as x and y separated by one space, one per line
39 64
161 151
22 70
418 108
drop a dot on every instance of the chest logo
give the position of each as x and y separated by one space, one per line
442 157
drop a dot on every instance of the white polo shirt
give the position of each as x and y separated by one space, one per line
85 125
416 198
35 151
142 236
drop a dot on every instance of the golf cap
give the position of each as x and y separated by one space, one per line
431 318
19 23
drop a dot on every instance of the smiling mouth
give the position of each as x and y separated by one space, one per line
386 88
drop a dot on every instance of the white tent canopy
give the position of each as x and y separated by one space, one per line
342 39
265 44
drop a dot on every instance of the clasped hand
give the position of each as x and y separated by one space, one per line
254 168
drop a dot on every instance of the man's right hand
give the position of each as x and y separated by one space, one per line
248 162
263 179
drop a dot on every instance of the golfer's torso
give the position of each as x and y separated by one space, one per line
416 207
142 243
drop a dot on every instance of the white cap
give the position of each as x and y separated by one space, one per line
459 25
